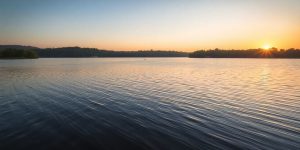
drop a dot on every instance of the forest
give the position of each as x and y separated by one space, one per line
93 52
17 51
11 53
251 53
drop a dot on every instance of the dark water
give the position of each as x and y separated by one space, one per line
152 103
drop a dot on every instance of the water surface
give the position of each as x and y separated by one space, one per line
150 103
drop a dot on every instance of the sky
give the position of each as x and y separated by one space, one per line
184 25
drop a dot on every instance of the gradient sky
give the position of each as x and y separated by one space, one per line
185 25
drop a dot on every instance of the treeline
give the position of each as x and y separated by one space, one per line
16 51
251 53
11 53
92 52
2 47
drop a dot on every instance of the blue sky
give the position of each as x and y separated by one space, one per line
151 24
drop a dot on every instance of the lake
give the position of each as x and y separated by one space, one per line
150 103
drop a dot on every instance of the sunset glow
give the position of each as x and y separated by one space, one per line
156 24
266 47
149 74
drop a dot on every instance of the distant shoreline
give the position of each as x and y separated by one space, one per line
10 53
24 52
131 57
251 53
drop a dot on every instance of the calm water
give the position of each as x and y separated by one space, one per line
152 103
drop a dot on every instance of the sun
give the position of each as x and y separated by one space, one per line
266 47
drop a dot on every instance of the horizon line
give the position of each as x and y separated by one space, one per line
216 48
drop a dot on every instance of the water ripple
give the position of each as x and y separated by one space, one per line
160 103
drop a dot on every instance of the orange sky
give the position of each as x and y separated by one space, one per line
135 25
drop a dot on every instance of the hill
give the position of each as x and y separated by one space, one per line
93 52
2 47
